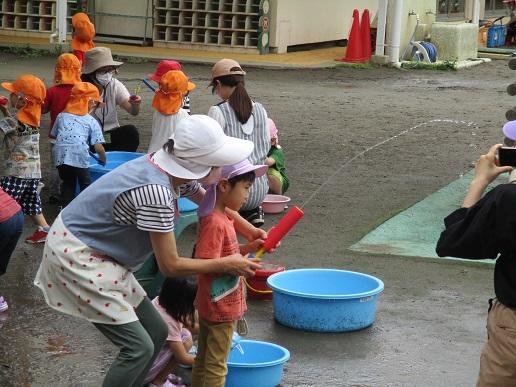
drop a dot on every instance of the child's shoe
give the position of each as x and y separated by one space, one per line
3 304
254 216
39 236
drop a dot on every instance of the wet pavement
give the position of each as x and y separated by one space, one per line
430 322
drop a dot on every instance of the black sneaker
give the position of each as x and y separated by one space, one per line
255 216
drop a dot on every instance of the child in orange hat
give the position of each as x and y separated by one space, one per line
21 141
168 100
75 131
66 74
164 67
83 32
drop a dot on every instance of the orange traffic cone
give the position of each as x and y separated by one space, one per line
365 35
354 52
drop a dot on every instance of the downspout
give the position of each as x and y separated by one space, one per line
59 36
380 33
394 53
476 12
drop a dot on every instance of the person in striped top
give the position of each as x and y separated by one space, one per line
243 118
113 227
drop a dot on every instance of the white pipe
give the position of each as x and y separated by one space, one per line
60 32
382 22
476 12
394 53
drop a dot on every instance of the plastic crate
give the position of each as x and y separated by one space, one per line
496 35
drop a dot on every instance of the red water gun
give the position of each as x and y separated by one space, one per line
279 231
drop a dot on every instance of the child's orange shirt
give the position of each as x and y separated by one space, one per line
217 238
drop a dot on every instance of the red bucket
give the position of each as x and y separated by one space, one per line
257 285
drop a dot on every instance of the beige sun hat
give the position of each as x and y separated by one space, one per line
226 67
98 57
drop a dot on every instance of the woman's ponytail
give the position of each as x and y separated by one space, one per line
241 103
239 100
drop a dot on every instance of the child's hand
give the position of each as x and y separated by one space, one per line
257 233
254 246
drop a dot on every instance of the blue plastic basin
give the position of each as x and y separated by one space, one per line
260 364
324 300
114 159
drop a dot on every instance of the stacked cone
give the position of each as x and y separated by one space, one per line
359 40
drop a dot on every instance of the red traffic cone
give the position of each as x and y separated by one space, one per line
365 35
354 52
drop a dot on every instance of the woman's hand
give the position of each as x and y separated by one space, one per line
487 169
237 264
132 105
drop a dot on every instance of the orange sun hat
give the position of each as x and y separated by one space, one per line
84 32
68 70
32 90
82 93
173 85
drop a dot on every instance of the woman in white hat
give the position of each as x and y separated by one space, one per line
117 223
243 118
100 69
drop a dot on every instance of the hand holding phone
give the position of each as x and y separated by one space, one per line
507 156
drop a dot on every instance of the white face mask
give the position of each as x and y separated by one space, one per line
104 79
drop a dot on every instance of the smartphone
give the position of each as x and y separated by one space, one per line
507 156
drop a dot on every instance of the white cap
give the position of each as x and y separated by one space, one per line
199 145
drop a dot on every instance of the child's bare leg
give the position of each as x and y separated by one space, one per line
161 377
40 220
274 185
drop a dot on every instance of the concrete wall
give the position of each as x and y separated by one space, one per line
310 21
426 10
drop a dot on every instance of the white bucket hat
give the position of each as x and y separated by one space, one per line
199 145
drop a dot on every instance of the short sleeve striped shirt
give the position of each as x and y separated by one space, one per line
151 207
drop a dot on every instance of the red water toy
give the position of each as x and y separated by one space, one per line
279 231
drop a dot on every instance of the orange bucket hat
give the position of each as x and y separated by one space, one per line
32 90
84 32
68 70
81 94
173 85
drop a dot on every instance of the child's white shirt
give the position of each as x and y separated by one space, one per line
164 126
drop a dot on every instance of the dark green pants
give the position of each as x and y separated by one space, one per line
139 343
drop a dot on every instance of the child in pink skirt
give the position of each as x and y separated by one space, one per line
175 304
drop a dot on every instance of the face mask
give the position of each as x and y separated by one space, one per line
104 79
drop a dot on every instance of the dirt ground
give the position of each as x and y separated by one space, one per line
430 322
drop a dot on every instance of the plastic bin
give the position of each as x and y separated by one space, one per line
496 35
114 159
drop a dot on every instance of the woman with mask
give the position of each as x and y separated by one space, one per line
100 69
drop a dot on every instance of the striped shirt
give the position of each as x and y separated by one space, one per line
255 130
151 207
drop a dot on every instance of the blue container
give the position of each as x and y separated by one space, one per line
114 159
260 364
324 300
496 35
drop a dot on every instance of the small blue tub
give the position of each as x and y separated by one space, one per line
114 159
325 300
260 364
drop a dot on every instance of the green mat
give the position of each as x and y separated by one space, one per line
415 231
